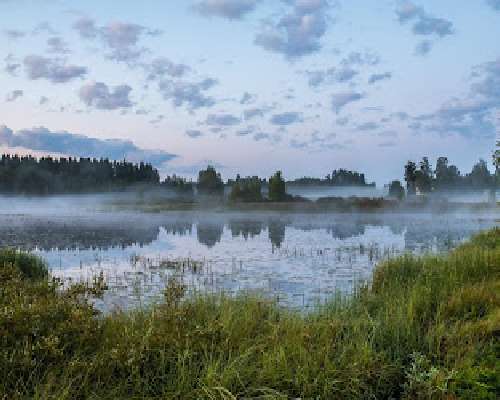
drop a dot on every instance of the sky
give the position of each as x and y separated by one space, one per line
252 86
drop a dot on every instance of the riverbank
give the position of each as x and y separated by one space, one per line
427 327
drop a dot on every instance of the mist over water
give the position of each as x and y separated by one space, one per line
316 192
298 259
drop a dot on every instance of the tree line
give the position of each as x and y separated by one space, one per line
48 175
422 178
338 177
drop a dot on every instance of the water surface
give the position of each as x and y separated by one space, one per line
300 260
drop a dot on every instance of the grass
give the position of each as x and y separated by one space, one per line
427 328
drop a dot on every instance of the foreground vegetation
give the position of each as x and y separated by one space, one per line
427 328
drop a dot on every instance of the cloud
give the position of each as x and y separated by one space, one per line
44 27
222 120
11 65
472 116
346 71
286 118
86 27
247 98
379 77
121 38
14 34
345 74
340 100
161 67
368 126
42 139
423 24
191 94
254 112
230 9
406 11
488 85
357 58
433 26
495 4
99 95
298 33
261 136
193 134
57 45
54 70
423 48
14 95
331 75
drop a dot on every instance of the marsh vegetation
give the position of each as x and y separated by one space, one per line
425 328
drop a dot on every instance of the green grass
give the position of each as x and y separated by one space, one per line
427 328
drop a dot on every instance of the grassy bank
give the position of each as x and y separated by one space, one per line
427 328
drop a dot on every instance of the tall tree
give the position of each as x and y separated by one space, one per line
410 177
210 182
277 187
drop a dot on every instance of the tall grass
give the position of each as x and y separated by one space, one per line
427 328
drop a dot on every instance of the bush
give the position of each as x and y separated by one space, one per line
29 266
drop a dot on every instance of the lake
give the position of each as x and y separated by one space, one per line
300 260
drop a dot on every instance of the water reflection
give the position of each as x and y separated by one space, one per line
276 229
108 231
209 233
298 259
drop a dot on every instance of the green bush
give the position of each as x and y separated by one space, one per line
30 266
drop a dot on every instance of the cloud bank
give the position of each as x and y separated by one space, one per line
43 139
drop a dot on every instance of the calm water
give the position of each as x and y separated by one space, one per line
300 260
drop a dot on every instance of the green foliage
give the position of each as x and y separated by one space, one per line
210 182
423 176
29 266
411 178
426 328
247 190
277 188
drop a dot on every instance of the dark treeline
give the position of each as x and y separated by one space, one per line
423 178
339 177
46 175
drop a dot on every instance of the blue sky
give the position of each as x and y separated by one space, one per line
252 86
